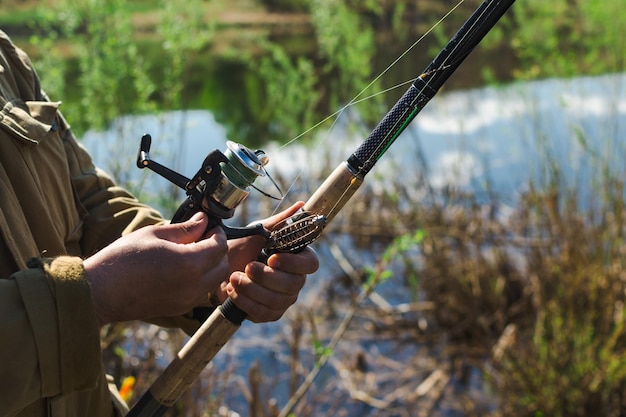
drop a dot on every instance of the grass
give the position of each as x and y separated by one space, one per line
30 14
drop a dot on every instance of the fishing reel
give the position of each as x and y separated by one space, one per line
222 182
220 185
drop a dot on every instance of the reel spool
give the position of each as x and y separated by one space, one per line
220 185
239 171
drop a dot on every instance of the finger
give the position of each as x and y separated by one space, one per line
254 244
274 280
209 252
260 303
255 312
189 231
212 279
304 262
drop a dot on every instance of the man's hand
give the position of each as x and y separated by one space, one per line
158 271
265 292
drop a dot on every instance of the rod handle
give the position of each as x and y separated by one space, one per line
183 371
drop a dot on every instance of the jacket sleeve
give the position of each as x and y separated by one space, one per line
50 348
48 313
109 211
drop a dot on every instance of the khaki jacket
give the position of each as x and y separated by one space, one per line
56 207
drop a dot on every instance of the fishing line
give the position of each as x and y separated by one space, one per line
403 121
351 103
426 75
406 51
379 76
355 100
330 129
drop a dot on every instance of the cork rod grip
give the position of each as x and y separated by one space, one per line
334 192
183 371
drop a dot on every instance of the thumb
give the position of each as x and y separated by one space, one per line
189 231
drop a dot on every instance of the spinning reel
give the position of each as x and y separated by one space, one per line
221 184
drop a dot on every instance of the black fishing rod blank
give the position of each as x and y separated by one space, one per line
339 187
427 85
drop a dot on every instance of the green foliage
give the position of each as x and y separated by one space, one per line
347 44
395 252
286 5
403 244
111 78
321 351
52 68
290 95
184 32
564 38
396 19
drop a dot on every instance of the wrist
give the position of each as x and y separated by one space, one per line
98 292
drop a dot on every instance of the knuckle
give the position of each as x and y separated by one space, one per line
275 315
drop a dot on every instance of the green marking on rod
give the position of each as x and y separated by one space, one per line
406 122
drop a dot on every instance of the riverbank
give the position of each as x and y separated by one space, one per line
22 18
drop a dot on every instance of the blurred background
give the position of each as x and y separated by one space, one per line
480 269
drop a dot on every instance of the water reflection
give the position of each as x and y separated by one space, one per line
497 136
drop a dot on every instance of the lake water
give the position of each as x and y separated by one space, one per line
495 137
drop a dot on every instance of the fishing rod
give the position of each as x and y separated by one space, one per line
225 179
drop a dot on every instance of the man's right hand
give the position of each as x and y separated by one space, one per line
158 271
